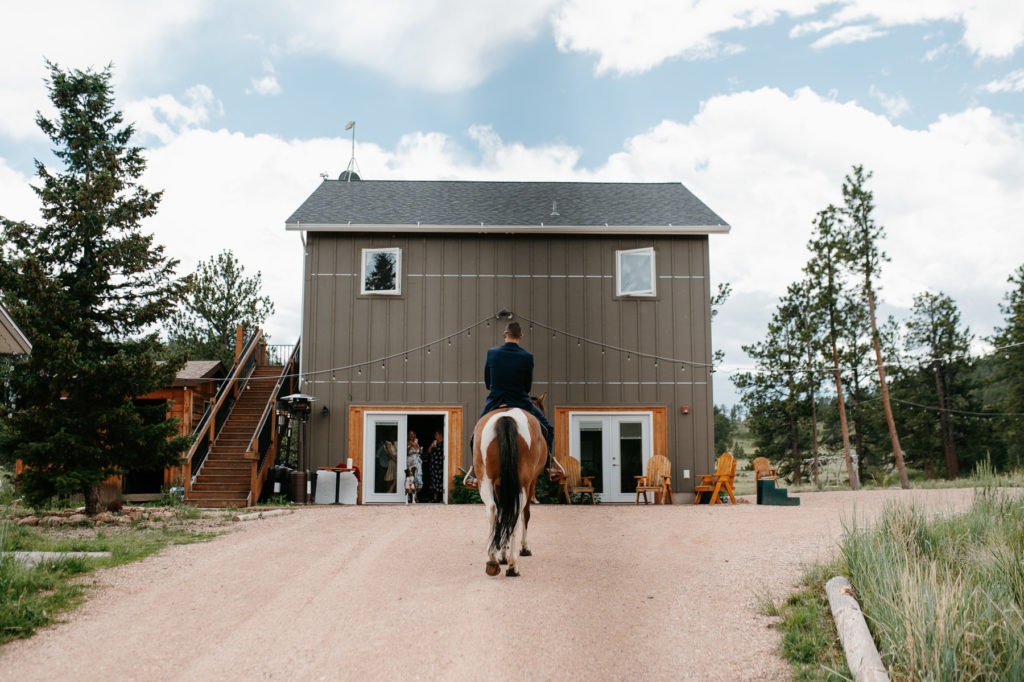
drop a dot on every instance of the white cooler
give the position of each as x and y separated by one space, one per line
336 487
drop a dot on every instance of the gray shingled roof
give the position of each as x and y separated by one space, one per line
349 205
12 339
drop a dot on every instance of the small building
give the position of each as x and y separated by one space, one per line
12 340
406 284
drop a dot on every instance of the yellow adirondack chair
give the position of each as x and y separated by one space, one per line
763 469
723 479
573 482
657 481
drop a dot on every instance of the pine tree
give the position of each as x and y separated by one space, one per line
382 277
87 287
220 298
825 274
865 260
1009 361
934 327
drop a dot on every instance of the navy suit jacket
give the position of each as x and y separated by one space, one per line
508 375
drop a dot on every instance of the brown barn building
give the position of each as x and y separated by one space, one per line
403 283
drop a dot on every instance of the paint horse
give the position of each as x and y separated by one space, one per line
509 454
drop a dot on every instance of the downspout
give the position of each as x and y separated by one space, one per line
304 443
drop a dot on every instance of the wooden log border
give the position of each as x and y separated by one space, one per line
862 656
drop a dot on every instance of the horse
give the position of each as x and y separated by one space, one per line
509 454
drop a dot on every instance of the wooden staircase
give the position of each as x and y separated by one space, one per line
226 479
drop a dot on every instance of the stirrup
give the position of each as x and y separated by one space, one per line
470 481
555 470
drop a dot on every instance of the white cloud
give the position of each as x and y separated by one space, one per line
437 45
132 35
266 86
847 35
632 37
1011 82
637 36
165 116
894 105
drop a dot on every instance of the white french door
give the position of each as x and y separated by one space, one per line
613 447
385 445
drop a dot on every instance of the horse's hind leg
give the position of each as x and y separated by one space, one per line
517 534
525 547
487 495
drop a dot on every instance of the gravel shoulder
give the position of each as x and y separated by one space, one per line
399 592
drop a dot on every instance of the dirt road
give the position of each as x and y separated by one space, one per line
612 592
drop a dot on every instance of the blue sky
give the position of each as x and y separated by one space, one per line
760 108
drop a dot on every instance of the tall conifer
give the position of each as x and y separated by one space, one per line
87 286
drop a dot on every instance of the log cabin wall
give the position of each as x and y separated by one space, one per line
449 282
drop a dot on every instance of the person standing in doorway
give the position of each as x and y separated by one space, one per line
508 376
435 466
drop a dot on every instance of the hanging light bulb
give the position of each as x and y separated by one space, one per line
382 366
655 363
407 358
449 340
359 371
579 342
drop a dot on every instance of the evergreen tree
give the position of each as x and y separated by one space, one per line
1009 361
934 329
382 277
220 298
825 275
865 260
87 287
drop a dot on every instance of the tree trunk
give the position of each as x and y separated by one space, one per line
948 446
858 427
896 451
850 471
92 500
814 415
794 433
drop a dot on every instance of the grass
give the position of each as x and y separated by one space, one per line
809 639
943 595
33 597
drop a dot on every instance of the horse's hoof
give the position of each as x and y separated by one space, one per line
503 561
525 552
512 573
492 568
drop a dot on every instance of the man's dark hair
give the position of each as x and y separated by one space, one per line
514 330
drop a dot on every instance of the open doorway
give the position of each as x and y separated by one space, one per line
430 433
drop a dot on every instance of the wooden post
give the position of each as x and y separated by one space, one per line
239 340
861 654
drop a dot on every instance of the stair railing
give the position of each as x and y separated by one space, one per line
215 416
266 435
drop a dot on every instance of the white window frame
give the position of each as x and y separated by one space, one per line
648 250
397 291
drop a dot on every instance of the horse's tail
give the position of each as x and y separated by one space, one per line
506 495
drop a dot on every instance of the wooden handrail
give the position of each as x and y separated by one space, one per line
230 387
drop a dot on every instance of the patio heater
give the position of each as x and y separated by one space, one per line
298 406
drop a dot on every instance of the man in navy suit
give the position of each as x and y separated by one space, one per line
508 376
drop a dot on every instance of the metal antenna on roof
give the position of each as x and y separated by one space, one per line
350 172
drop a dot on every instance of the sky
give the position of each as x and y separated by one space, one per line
758 107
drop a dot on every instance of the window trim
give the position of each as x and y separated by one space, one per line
397 291
618 273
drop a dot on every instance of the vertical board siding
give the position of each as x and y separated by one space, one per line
450 282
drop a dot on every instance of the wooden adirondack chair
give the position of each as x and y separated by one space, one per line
763 469
658 481
573 482
723 479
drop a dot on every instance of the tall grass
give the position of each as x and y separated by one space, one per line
944 596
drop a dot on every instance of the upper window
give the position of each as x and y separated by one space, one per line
634 272
382 271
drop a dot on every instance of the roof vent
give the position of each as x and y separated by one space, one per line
554 208
349 175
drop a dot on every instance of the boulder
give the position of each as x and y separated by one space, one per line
29 521
105 517
77 518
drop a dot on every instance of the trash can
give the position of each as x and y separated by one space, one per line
277 483
336 487
297 486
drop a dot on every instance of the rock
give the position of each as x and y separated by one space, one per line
51 521
16 503
77 518
124 520
105 517
29 521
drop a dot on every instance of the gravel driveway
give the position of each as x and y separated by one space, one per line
395 592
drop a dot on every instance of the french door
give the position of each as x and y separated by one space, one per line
385 445
612 447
